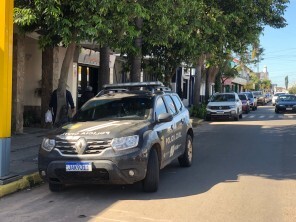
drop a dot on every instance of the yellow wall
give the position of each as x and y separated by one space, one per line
6 43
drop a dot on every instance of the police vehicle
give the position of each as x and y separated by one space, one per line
124 135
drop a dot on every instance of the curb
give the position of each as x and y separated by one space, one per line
195 122
21 184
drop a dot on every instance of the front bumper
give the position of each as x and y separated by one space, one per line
113 170
229 113
286 108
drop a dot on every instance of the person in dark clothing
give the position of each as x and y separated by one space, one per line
53 105
87 95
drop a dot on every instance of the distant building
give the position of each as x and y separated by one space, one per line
264 74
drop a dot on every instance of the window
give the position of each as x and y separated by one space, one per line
160 107
171 105
177 103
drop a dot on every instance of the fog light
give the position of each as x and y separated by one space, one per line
43 173
233 111
131 173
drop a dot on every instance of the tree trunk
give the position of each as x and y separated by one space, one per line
207 90
197 82
136 63
47 81
61 91
104 76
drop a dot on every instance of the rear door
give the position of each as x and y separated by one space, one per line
165 131
177 140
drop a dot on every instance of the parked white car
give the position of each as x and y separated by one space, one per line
275 96
224 105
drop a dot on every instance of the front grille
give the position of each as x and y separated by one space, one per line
95 175
219 107
67 147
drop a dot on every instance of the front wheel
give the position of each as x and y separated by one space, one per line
186 159
151 181
276 111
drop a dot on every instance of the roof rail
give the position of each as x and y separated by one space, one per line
152 87
133 84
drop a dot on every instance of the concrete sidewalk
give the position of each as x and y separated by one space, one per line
24 162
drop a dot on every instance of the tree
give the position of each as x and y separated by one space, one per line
66 23
292 89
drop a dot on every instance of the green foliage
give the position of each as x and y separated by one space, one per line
292 89
172 32
198 112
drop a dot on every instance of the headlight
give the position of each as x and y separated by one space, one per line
48 144
232 107
125 142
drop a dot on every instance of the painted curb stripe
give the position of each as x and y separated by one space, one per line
25 182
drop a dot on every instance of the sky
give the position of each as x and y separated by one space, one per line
280 50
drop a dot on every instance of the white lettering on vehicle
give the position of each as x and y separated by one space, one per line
173 149
172 138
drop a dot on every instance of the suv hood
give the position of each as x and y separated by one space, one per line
101 129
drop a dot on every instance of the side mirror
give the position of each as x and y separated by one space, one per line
164 117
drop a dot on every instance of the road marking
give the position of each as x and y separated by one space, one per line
251 116
261 117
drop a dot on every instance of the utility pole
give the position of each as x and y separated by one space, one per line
6 46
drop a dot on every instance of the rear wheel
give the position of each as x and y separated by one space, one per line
151 181
54 187
186 159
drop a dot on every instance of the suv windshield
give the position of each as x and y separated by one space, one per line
223 98
116 108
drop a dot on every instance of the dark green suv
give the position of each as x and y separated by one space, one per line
124 135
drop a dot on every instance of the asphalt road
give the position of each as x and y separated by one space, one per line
242 171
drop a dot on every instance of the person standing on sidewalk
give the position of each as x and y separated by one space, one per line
53 105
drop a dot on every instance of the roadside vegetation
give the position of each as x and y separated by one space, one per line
202 34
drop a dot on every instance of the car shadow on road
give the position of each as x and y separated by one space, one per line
241 150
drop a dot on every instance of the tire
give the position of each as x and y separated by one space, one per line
276 111
253 108
240 116
151 181
208 118
186 159
54 187
236 118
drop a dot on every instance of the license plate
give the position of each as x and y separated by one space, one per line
289 108
78 166
220 111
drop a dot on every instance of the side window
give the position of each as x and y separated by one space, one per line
171 105
177 103
160 107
